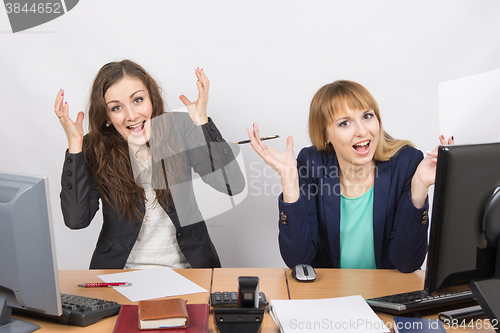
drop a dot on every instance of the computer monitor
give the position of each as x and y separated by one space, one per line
464 245
466 179
28 266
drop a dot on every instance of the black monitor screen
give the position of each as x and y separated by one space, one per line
466 178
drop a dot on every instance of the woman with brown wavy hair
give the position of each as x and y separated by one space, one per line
137 159
358 197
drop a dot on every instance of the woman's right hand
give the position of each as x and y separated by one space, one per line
73 130
284 163
425 175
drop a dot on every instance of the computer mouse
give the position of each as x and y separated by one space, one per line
304 273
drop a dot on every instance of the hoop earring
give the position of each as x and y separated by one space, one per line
107 124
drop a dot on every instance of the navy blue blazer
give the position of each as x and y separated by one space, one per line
309 229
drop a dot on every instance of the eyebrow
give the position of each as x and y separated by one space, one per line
115 101
347 118
342 119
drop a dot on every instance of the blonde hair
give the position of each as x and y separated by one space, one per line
332 100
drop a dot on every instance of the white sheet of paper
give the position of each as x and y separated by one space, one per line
342 314
468 108
152 283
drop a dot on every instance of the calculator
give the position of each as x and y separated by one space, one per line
230 298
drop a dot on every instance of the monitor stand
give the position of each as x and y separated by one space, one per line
12 325
487 293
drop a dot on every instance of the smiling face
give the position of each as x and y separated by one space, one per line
129 107
355 137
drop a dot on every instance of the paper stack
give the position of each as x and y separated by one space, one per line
343 314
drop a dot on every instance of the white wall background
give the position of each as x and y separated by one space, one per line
265 60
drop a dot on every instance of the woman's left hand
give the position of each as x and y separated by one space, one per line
198 109
425 175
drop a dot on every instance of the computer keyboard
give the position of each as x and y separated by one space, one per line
80 310
85 311
417 300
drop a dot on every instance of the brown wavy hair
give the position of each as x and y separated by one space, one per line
107 152
332 100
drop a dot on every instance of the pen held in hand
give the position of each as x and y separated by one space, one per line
99 285
262 139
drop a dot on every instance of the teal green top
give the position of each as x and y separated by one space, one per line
356 232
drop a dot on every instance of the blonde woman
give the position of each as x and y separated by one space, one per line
358 197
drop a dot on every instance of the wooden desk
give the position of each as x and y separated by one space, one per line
276 283
69 280
368 283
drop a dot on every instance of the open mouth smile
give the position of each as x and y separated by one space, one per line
136 129
363 147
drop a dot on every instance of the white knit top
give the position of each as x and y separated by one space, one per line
156 245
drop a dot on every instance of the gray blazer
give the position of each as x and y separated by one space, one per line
205 150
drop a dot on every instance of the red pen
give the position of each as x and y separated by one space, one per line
112 284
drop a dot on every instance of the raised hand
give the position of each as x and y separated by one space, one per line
198 109
425 175
73 130
284 163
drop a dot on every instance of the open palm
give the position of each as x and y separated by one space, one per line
73 129
284 163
